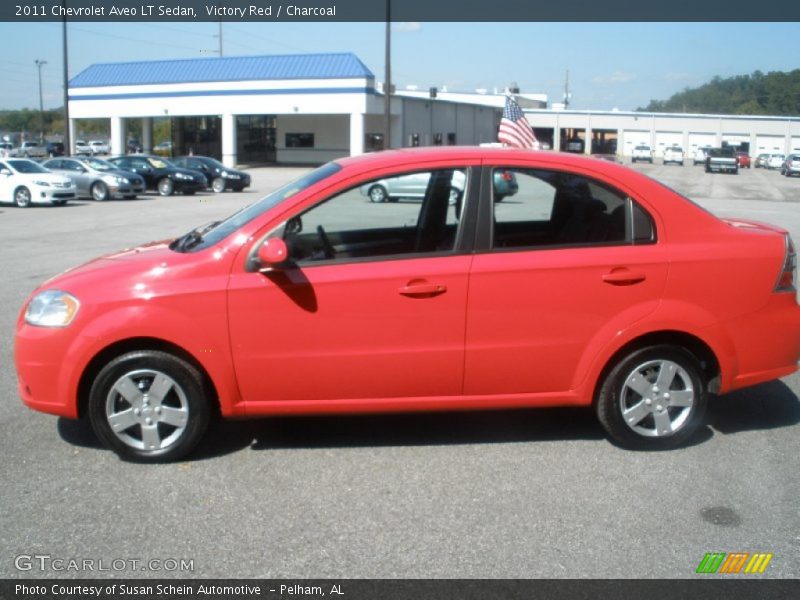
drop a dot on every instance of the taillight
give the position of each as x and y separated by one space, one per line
786 280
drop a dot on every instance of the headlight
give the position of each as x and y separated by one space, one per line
52 308
114 180
182 176
42 183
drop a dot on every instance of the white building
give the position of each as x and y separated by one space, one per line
304 109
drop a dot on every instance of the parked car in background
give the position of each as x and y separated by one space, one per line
673 154
82 148
160 175
219 176
700 155
6 149
642 152
744 160
25 182
98 179
791 166
99 147
29 149
163 149
415 186
133 145
775 161
598 287
722 160
761 161
54 149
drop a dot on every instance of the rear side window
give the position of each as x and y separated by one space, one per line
539 208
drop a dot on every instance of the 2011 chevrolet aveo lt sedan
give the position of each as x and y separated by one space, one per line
592 286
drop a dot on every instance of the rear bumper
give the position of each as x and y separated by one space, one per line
766 344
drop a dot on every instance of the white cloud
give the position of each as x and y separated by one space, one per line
615 77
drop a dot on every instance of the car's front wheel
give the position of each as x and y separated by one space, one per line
165 186
377 193
653 398
218 185
99 191
149 406
22 197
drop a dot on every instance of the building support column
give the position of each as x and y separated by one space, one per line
72 128
147 135
229 140
357 134
117 136
587 136
557 136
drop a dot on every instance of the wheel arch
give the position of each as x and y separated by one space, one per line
121 347
706 357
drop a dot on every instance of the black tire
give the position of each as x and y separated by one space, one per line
165 186
99 191
655 407
378 193
218 185
185 401
22 197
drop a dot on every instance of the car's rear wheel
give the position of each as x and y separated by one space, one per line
218 185
99 191
653 398
22 197
377 193
165 186
149 406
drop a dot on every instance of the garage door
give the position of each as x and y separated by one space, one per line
796 144
701 140
769 144
634 138
665 139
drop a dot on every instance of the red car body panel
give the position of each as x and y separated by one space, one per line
499 329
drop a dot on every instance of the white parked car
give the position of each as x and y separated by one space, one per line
673 154
99 147
25 182
642 152
700 155
82 148
775 161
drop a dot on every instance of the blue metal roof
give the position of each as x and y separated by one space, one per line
235 68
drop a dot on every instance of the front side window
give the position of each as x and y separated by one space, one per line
537 208
404 214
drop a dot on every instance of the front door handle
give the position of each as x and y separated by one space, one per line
623 276
422 288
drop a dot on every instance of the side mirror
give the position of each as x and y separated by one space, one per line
5 172
273 254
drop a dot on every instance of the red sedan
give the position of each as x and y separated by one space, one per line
743 159
593 286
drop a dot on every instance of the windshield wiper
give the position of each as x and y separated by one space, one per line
193 238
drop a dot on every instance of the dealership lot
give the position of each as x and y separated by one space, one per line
528 494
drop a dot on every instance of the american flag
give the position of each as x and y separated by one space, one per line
514 127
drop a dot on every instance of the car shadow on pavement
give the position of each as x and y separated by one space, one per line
766 406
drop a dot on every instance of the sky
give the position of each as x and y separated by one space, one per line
611 65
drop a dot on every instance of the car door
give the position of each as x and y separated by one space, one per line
372 308
78 173
6 183
569 262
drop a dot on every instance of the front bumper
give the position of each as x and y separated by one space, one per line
48 195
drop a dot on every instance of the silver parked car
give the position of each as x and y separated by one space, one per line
791 165
96 178
415 186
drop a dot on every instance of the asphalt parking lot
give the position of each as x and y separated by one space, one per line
512 494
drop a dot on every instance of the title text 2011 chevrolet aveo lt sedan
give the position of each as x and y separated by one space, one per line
593 286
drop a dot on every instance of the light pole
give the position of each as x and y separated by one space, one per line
39 64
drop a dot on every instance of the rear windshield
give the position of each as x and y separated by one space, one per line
722 152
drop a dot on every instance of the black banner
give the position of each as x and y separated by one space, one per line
400 10
733 588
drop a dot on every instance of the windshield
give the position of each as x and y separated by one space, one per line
223 229
214 163
98 164
27 166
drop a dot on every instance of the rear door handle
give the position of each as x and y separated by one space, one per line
623 276
422 289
